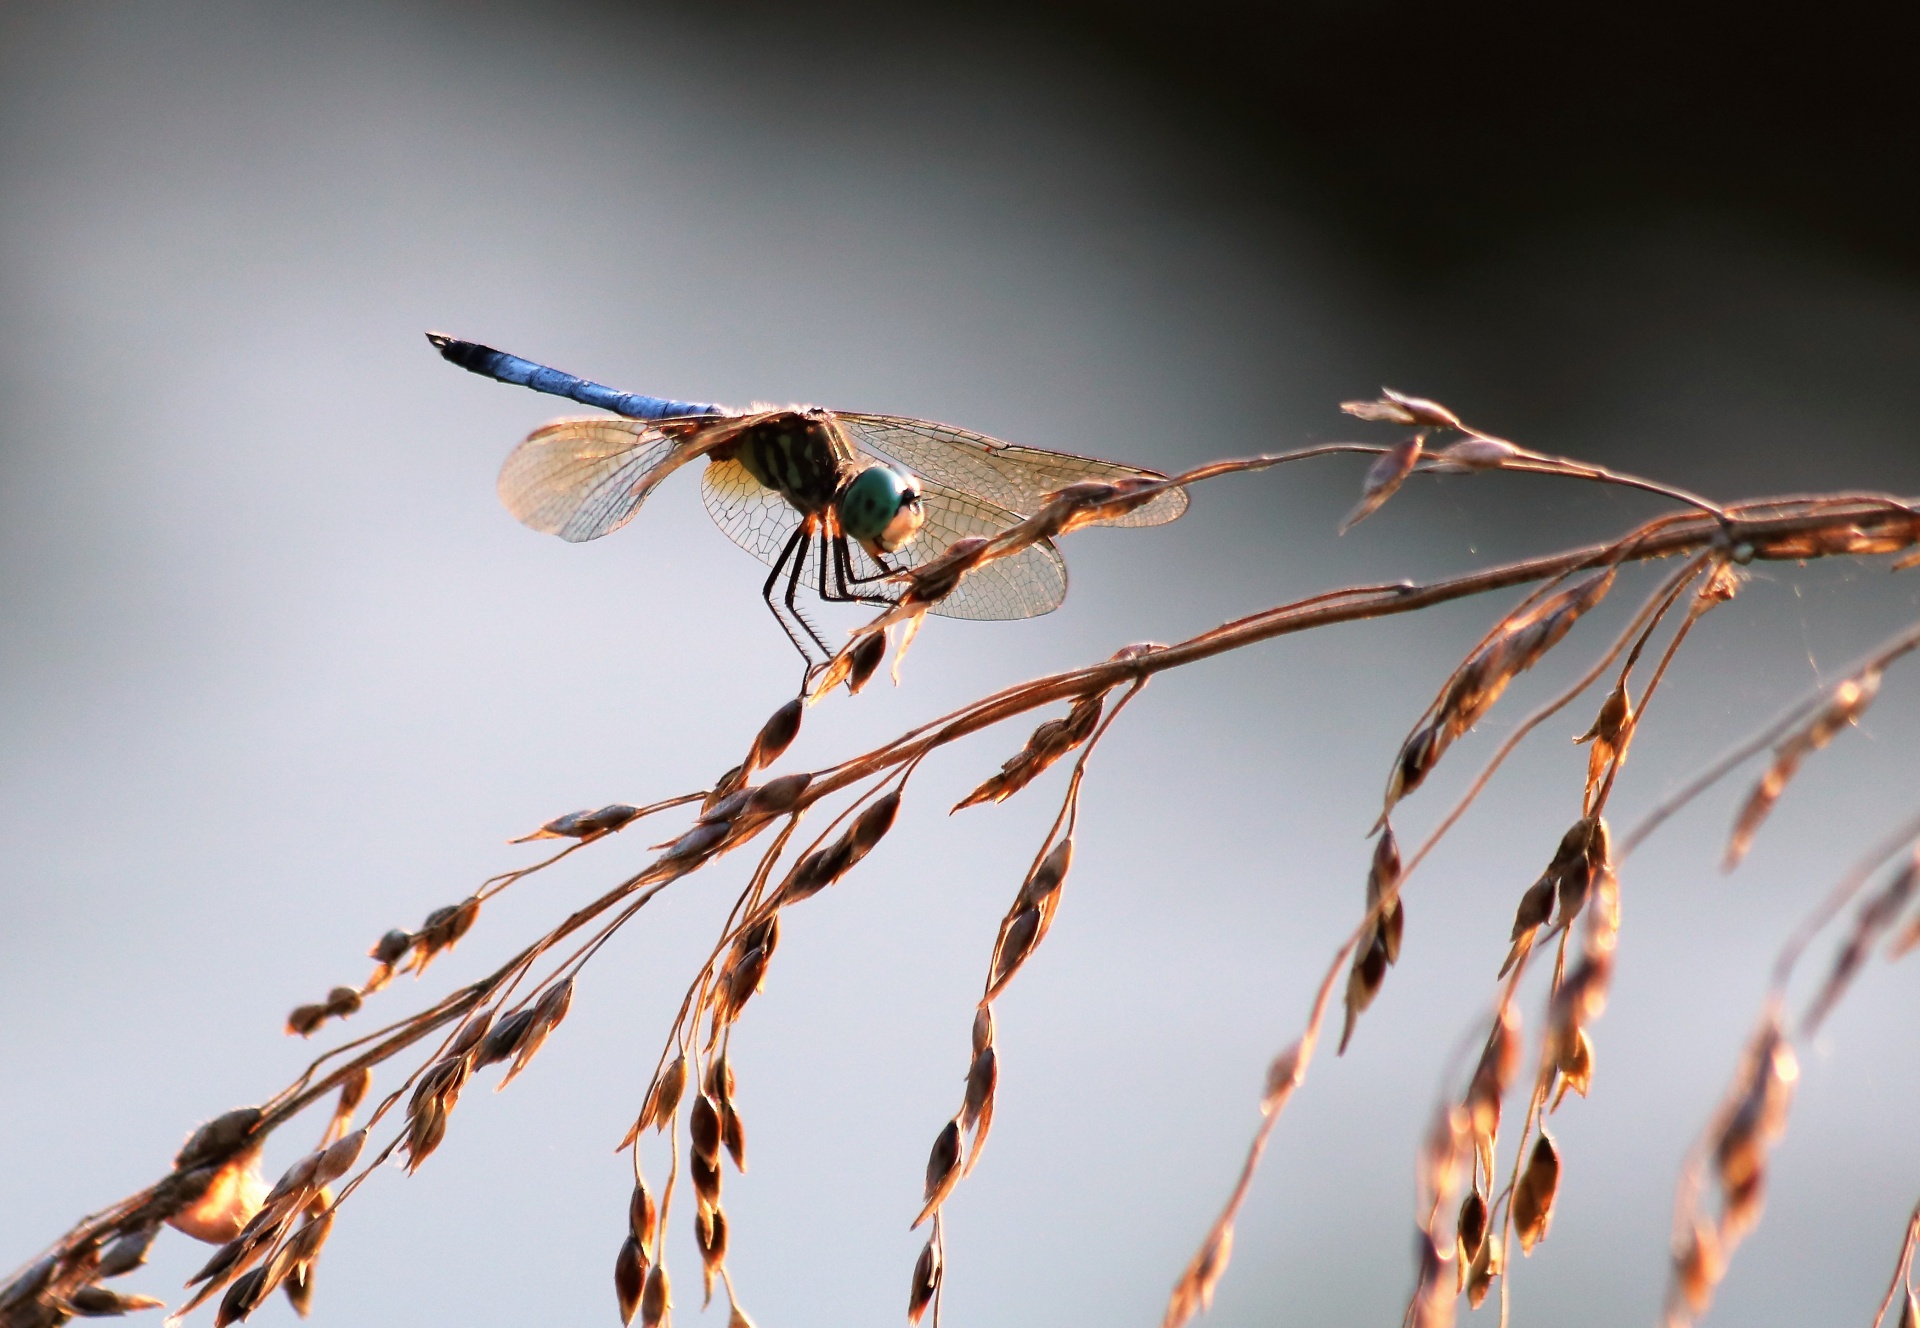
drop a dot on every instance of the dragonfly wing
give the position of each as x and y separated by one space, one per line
1024 585
1016 478
581 478
1031 582
752 515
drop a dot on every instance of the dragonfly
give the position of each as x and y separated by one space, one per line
838 503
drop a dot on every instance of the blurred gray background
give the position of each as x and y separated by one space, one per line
279 673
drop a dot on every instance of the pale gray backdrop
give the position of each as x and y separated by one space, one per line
279 673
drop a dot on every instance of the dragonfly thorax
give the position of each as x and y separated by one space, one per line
798 455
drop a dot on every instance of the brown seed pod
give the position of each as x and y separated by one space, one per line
391 948
1364 980
727 808
776 735
864 658
1533 1198
778 796
548 1011
657 1299
871 826
1383 874
1049 742
1040 888
926 1281
982 1028
1486 1266
943 1168
339 1157
305 1020
299 1288
1573 1058
426 1127
710 1238
724 787
982 1077
733 1134
1698 1266
505 1037
1471 1228
94 1302
1016 943
1383 478
242 1298
584 824
311 1238
629 1277
128 1252
663 1099
1499 1062
1417 757
695 845
1848 701
470 1034
643 1219
703 1128
706 1179
353 1091
741 980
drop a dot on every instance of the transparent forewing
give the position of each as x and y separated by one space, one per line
1016 478
581 478
1032 582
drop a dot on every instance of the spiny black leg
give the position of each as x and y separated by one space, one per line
793 585
773 578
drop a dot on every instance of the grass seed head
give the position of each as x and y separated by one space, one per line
1470 454
353 1091
663 1099
1533 1198
1470 1228
778 796
1384 477
706 1179
233 1194
391 948
656 1301
982 1028
871 826
864 660
629 1278
1039 888
1022 934
128 1252
338 1158
703 1128
505 1037
1698 1266
1364 980
242 1298
1488 1264
643 1219
982 1077
943 1168
733 1134
776 735
1573 1058
93 1302
710 1238
926 1281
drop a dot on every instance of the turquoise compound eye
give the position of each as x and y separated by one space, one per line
881 509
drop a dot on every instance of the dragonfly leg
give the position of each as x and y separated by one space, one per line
846 578
793 550
802 538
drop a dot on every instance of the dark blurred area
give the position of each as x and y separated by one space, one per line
1434 135
1442 132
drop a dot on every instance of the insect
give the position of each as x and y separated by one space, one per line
836 502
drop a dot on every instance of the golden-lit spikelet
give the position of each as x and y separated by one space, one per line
1515 646
1381 945
1049 742
1844 705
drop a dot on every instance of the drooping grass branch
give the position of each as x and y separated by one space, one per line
269 1237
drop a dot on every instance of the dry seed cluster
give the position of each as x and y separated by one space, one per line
270 1237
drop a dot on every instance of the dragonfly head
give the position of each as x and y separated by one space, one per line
881 509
